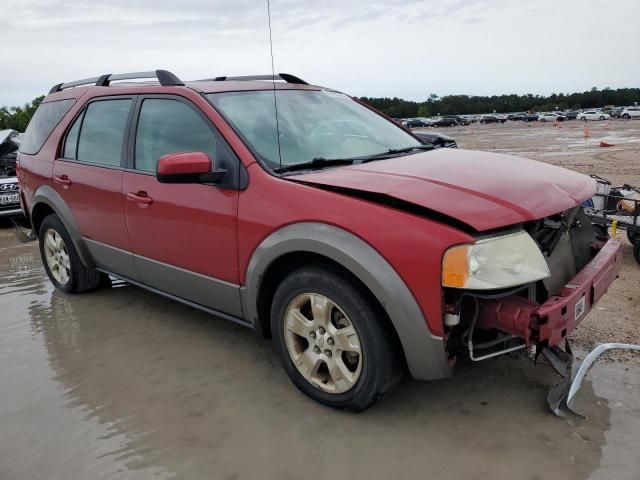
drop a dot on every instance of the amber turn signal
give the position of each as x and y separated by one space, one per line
455 267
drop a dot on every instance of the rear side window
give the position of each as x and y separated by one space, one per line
71 142
42 124
170 126
101 132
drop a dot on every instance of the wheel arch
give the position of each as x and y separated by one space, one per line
297 244
47 201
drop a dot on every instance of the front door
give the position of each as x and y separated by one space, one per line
183 236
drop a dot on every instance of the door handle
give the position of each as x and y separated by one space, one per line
62 180
140 197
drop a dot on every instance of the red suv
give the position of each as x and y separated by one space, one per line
313 219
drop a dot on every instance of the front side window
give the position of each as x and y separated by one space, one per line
170 126
42 124
102 132
311 125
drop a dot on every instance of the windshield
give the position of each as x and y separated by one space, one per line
311 125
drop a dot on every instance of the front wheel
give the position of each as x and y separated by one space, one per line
601 118
626 116
584 119
61 260
333 340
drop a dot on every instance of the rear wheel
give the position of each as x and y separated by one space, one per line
601 117
636 251
633 236
61 260
626 116
334 342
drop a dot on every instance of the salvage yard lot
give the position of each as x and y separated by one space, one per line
120 383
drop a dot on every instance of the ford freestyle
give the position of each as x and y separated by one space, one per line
300 212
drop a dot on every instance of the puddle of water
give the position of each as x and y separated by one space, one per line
120 383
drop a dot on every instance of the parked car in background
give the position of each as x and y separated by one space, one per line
9 191
517 116
531 117
458 119
438 140
551 117
593 115
616 112
492 119
443 121
416 123
571 114
630 112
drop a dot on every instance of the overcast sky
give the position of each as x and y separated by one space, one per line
402 48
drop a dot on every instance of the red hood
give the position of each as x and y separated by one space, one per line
483 190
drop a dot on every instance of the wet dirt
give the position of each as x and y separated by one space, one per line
120 383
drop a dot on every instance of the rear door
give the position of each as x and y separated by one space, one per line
183 236
88 176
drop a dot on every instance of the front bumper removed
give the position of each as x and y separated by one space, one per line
547 324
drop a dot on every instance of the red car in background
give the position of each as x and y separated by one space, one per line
297 211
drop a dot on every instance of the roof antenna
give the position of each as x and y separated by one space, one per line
273 80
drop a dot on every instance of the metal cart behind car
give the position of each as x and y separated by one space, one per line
616 207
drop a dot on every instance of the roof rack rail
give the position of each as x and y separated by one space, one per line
280 76
165 77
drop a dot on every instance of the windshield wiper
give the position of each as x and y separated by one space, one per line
391 152
321 162
315 164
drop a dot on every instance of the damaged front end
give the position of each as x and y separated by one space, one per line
582 263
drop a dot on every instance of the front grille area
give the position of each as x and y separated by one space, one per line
568 241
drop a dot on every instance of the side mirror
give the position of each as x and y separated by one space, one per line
188 167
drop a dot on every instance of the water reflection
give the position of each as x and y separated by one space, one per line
199 397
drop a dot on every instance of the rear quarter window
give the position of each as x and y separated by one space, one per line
42 124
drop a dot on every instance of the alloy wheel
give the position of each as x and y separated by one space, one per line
57 256
323 343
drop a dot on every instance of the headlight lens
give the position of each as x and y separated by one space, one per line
498 262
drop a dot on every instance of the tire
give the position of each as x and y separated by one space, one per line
543 119
626 116
601 118
371 355
584 119
636 252
61 260
634 237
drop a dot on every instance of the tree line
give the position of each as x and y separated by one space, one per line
471 104
17 118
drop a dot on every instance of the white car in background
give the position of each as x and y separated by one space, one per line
551 117
630 112
593 115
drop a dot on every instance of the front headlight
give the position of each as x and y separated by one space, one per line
491 263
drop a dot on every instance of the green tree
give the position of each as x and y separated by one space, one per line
17 118
423 111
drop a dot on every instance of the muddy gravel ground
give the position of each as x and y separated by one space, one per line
122 384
